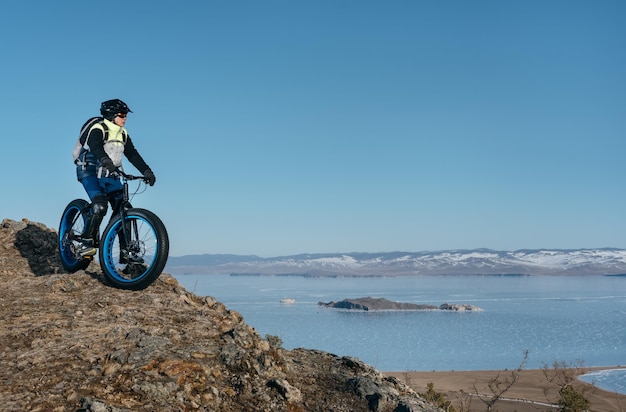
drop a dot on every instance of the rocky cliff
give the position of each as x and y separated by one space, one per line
68 342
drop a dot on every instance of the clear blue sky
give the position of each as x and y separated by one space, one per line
284 127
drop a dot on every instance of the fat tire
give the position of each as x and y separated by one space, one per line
152 246
68 227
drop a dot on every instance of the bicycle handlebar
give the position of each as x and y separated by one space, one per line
130 177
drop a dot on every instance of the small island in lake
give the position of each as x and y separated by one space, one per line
370 304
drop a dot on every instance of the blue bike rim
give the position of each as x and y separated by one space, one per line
111 259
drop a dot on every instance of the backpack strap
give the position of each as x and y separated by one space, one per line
106 131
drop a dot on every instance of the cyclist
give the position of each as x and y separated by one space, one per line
97 164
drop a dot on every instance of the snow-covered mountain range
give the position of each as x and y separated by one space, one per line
449 262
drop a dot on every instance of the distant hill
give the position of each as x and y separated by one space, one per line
602 261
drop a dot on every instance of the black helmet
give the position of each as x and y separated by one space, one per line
112 108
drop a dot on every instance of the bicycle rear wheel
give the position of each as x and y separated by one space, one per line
134 252
71 230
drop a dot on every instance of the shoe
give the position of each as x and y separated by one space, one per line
86 248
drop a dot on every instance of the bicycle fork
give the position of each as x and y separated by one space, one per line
129 231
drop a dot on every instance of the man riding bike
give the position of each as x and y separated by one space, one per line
97 163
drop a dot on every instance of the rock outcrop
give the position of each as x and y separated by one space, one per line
460 308
370 303
68 342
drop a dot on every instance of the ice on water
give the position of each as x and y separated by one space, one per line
556 318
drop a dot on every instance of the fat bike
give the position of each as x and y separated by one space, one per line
133 248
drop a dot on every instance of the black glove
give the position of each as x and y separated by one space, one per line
107 163
149 177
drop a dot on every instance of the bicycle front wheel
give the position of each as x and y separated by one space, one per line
134 252
71 230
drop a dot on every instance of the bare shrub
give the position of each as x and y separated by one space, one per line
499 386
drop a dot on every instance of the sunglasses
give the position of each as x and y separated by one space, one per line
122 115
